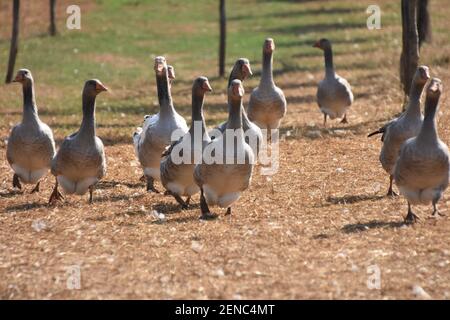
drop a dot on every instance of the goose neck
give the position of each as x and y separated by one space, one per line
428 134
30 113
414 100
235 114
197 112
88 123
164 94
329 66
267 69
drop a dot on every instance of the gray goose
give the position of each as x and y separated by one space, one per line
176 177
422 169
334 94
155 136
267 105
253 134
31 146
408 125
224 177
80 161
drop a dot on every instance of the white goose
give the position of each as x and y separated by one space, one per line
253 134
154 137
422 169
177 177
408 125
80 161
227 171
31 146
267 105
334 95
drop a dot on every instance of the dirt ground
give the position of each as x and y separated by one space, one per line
316 229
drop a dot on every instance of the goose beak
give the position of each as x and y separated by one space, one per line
18 78
246 70
316 45
100 87
425 73
207 86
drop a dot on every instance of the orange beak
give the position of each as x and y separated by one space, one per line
247 70
18 78
317 45
207 86
100 87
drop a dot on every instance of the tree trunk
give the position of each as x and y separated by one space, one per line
14 41
223 35
52 28
409 59
423 22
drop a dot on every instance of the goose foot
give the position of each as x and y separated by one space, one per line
56 195
436 211
325 120
228 211
180 201
36 188
188 200
166 193
143 178
150 185
91 194
411 217
391 192
344 120
206 214
16 182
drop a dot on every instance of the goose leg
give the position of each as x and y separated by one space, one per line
391 192
344 119
150 185
411 217
91 194
16 182
188 200
179 200
36 188
324 119
206 214
143 178
228 211
56 195
435 210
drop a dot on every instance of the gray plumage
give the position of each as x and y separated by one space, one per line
334 94
178 177
31 146
422 169
80 161
267 105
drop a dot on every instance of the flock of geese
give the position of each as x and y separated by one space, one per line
412 153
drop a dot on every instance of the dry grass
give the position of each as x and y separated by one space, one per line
310 231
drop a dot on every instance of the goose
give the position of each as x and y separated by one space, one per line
408 125
226 170
31 146
334 94
267 105
253 134
80 162
176 177
422 168
154 137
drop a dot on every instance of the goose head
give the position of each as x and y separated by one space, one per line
269 46
201 86
422 75
242 68
24 77
93 87
171 72
160 65
236 90
434 89
323 44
